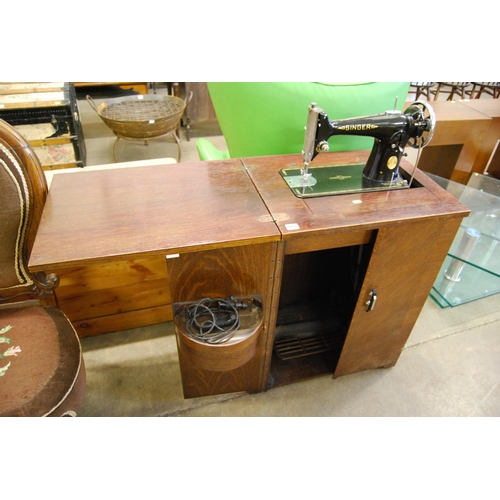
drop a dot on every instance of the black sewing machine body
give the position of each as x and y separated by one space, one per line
392 132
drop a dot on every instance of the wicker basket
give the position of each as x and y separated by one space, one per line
140 116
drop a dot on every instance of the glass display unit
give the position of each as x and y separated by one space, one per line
471 269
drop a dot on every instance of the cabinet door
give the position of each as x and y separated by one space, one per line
404 264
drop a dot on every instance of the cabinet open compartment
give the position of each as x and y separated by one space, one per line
241 345
319 291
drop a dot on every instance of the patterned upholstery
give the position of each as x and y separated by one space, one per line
42 372
14 210
22 198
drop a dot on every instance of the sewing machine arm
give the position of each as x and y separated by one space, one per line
392 132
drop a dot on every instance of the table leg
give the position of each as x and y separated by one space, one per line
178 147
115 149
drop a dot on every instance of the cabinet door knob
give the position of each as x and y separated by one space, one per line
371 302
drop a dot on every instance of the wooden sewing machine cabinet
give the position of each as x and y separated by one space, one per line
342 278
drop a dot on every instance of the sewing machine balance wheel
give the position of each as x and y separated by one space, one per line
424 117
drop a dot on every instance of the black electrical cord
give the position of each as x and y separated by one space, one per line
214 320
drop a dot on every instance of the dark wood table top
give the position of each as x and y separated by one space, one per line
114 214
346 211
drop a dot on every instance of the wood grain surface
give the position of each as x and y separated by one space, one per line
222 228
101 216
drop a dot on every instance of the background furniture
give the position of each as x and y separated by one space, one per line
268 118
471 270
47 116
422 89
451 88
234 227
457 140
491 88
488 156
200 112
141 87
41 363
141 118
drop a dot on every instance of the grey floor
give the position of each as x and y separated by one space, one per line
450 366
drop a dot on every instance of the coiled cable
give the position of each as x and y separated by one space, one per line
214 320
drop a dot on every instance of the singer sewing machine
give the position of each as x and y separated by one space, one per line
392 132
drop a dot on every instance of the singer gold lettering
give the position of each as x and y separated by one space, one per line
361 126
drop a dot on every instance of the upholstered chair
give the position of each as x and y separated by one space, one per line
42 372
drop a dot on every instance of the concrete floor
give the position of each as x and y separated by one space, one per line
450 366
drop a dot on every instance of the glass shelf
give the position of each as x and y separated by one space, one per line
485 254
471 270
485 183
474 284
